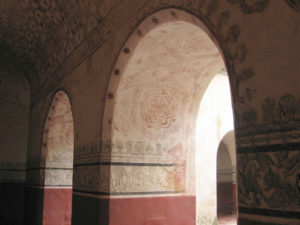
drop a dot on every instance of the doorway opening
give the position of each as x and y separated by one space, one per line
226 181
215 132
57 153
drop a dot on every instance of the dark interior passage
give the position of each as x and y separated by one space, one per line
226 186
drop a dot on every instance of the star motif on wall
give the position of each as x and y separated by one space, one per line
116 71
126 50
174 14
110 95
155 20
139 32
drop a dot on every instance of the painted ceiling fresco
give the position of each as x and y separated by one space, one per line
38 34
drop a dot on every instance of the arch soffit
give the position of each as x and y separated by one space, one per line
223 150
228 141
147 25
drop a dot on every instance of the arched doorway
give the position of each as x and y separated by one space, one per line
226 180
215 120
57 153
149 127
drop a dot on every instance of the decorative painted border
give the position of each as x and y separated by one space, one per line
100 193
126 164
43 176
270 212
288 147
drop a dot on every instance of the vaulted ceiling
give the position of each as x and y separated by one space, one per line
37 36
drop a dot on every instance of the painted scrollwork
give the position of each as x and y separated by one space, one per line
287 107
269 180
294 4
129 179
59 26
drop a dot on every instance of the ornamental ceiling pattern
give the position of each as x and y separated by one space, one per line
38 34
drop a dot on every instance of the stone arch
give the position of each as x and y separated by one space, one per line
160 17
155 148
57 156
229 141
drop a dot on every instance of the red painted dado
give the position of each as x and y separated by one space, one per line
179 210
57 206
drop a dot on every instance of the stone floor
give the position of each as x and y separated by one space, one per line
227 220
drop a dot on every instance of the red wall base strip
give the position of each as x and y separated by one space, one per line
57 206
176 210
